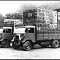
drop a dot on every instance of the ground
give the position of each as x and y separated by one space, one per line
36 53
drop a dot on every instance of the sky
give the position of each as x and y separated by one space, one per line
14 6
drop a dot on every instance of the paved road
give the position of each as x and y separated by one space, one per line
36 53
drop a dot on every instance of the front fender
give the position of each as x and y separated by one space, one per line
26 40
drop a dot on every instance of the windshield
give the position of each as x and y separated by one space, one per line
7 31
29 30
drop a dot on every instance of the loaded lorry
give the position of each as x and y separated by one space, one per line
41 27
31 36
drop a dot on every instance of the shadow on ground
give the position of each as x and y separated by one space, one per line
36 47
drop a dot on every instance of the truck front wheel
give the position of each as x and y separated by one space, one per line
5 44
15 46
55 44
27 45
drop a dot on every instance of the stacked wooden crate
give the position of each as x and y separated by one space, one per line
29 17
41 17
58 20
47 19
47 24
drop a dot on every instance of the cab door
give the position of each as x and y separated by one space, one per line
30 34
7 34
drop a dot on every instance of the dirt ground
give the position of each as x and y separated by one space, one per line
35 53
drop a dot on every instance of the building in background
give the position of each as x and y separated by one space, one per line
17 22
16 17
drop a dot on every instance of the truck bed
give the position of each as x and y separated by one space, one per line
48 35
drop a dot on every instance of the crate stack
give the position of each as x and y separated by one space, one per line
40 19
49 19
40 15
44 19
29 17
59 20
52 16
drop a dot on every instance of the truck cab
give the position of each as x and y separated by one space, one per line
26 35
30 33
7 34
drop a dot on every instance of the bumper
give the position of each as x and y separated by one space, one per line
17 44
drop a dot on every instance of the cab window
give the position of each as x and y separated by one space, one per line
4 31
29 30
8 30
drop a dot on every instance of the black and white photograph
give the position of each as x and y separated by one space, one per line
29 29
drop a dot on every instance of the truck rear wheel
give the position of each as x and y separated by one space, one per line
5 44
55 43
27 45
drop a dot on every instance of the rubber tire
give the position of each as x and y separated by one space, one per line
55 44
27 45
5 44
15 46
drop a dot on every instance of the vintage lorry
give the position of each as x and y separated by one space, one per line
31 36
43 29
7 34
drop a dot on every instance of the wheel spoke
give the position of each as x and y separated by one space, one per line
27 45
